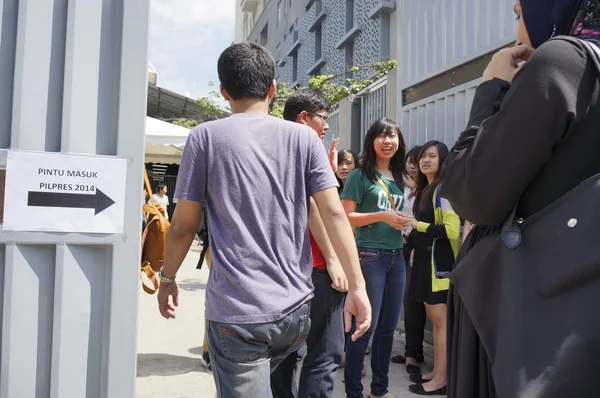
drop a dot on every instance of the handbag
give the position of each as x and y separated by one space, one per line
531 291
154 242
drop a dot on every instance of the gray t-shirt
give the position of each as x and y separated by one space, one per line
255 173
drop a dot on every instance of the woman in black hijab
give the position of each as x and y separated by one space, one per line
532 137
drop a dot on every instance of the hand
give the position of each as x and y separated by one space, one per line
413 222
338 277
357 304
333 154
165 291
503 64
395 219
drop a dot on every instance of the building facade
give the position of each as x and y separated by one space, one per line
315 37
443 50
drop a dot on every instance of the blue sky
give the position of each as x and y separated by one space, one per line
186 38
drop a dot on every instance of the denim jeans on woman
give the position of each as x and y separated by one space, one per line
385 277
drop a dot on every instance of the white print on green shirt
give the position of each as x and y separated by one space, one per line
383 202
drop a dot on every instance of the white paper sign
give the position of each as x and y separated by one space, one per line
64 193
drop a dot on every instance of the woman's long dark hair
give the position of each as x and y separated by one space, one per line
397 162
413 155
341 156
423 189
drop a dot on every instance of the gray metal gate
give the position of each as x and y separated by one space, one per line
72 80
373 107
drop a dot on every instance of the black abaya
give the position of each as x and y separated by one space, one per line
532 142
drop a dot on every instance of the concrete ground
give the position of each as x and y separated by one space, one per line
169 351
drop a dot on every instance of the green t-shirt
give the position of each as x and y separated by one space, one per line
370 197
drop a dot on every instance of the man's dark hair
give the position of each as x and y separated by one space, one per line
246 70
304 100
160 187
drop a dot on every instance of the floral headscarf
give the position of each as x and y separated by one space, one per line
545 19
587 22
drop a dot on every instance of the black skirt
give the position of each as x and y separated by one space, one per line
469 368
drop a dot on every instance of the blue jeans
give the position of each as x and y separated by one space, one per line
242 356
385 276
325 346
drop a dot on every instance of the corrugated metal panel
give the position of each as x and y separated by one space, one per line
334 129
373 107
437 34
74 80
442 117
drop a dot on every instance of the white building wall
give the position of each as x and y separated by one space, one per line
434 37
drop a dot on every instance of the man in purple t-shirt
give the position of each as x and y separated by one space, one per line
254 174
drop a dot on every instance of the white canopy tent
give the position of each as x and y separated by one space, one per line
164 141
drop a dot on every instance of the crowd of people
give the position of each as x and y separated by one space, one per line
314 256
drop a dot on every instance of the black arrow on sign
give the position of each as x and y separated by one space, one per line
97 201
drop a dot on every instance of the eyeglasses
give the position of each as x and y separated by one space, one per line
321 116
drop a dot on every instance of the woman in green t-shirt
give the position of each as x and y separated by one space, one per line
373 198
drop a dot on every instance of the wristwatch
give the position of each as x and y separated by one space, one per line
164 279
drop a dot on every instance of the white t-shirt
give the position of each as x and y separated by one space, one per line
409 200
163 201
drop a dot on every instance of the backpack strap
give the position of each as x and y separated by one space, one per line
148 274
437 197
149 189
202 256
387 191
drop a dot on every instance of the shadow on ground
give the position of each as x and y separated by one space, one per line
196 350
166 365
192 284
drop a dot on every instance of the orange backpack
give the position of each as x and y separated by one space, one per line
154 241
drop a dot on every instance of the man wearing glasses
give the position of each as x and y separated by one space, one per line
325 342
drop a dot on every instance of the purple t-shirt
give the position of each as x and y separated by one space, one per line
255 173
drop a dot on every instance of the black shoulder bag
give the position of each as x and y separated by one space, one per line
532 293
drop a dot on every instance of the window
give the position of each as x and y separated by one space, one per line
318 42
349 15
292 29
350 57
280 6
264 35
251 23
295 67
287 5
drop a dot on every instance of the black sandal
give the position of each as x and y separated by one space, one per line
412 369
419 390
398 359
418 378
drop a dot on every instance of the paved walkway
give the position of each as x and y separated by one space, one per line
169 351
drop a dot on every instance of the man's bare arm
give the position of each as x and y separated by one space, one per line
181 234
334 268
340 235
318 231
